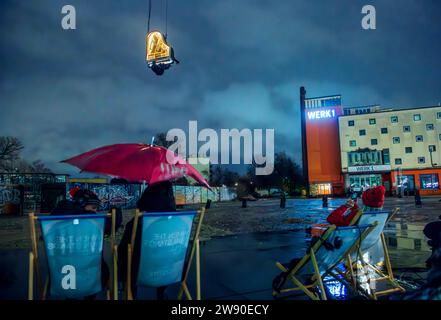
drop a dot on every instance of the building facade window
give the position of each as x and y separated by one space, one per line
438 115
384 130
386 156
417 117
439 136
421 160
408 149
351 123
398 161
429 127
374 142
429 181
372 121
432 148
362 132
352 143
367 157
394 119
419 138
406 129
396 140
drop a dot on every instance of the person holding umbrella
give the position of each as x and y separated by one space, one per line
158 197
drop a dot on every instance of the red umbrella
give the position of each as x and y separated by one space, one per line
136 162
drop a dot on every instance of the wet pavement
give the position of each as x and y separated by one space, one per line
242 266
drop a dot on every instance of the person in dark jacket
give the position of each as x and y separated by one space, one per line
158 197
87 202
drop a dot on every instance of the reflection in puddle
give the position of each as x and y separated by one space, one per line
401 234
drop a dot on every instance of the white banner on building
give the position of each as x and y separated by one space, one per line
372 168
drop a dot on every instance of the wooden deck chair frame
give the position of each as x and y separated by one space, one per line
388 276
34 266
194 253
317 277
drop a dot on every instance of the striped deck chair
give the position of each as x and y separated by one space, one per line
361 257
322 260
165 254
73 246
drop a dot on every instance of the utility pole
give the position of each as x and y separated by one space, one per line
303 134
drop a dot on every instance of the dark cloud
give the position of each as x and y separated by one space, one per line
243 61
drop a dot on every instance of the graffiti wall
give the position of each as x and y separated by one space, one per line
11 199
125 196
112 195
195 194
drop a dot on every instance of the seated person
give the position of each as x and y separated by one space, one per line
87 202
372 199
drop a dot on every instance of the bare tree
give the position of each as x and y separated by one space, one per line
10 148
39 167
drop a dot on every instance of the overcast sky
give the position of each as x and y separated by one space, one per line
242 63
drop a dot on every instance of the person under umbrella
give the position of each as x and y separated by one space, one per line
158 197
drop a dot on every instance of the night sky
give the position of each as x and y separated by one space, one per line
242 63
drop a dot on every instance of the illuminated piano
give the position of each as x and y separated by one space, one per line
159 55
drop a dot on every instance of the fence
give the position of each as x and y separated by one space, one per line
195 194
125 196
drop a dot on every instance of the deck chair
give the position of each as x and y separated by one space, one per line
322 261
374 241
74 246
167 251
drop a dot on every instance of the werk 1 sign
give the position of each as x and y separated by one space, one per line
370 168
321 114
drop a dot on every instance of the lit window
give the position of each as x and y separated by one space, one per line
421 160
372 121
398 161
396 140
351 123
417 117
408 149
394 119
419 138
374 142
406 129
352 143
386 156
429 181
429 127
362 132
383 130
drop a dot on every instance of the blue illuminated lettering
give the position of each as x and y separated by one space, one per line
322 114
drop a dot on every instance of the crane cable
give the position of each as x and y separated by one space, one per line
166 17
150 12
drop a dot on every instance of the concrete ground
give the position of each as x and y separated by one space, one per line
241 245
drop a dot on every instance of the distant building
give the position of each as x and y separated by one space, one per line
320 145
397 148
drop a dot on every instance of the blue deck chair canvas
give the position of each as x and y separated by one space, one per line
165 258
371 253
74 246
321 261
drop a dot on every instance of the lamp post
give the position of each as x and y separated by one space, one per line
431 150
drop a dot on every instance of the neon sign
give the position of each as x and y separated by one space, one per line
321 114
